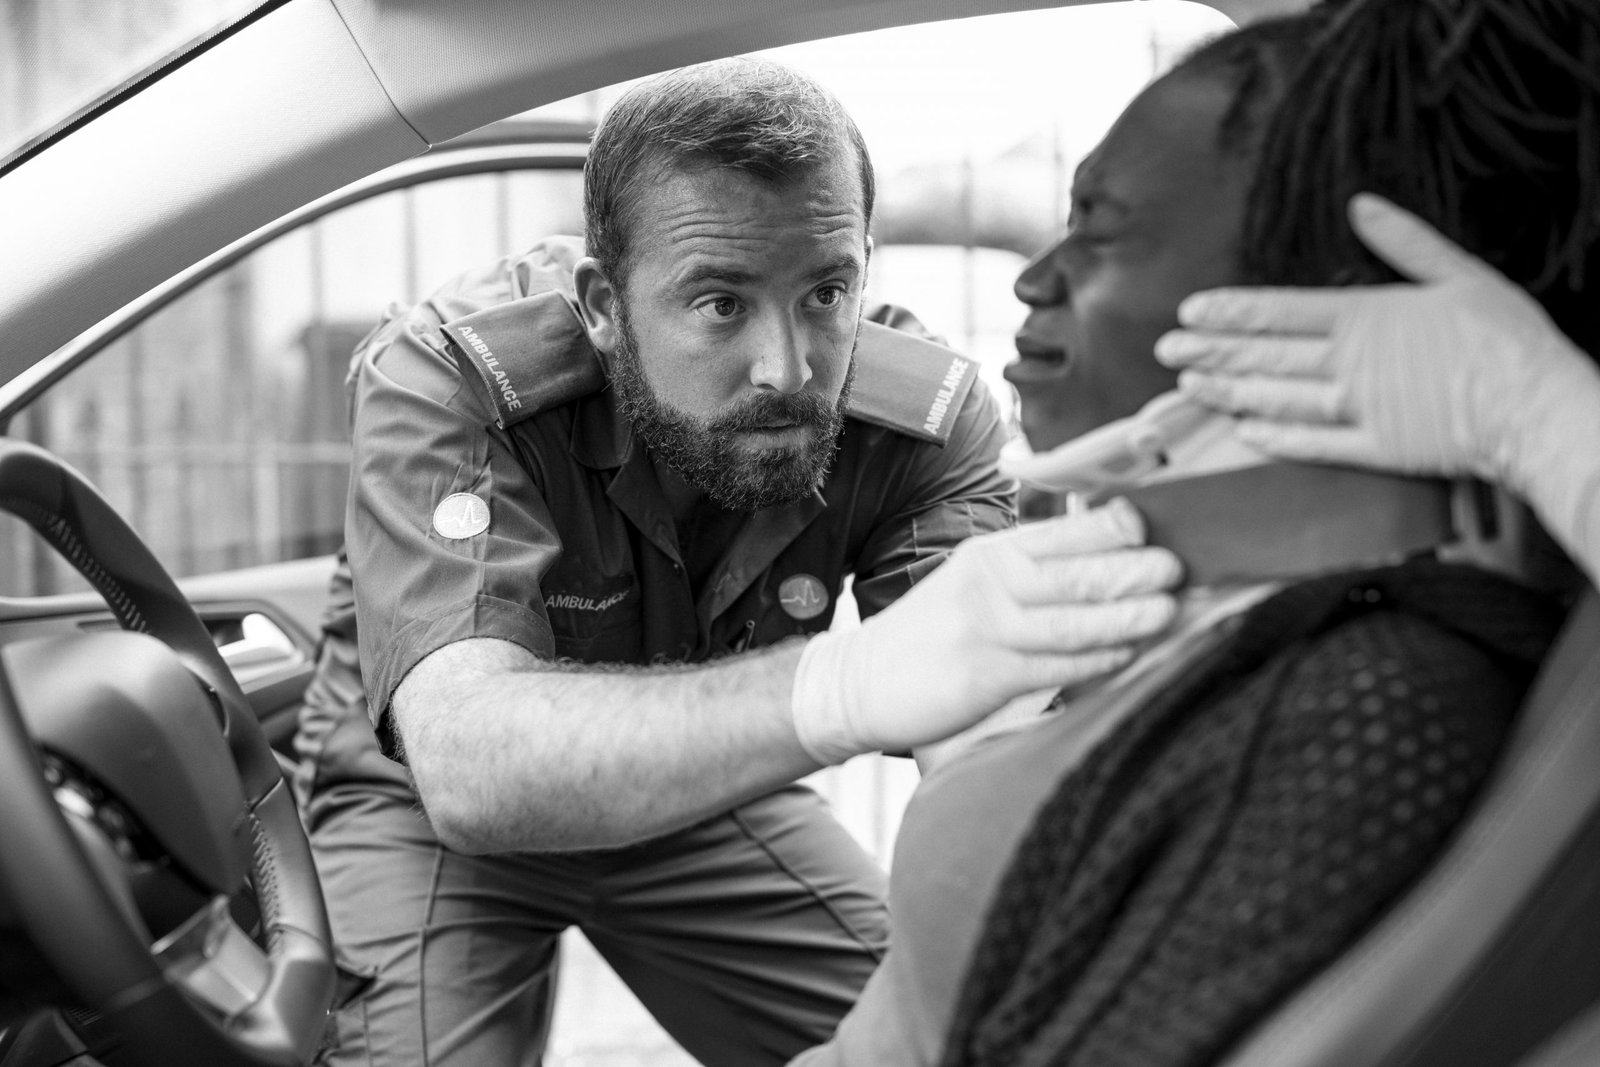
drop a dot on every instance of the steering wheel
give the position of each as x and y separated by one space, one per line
130 755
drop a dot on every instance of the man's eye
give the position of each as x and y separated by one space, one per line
831 295
722 307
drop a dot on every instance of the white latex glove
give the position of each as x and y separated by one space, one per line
1051 602
1463 373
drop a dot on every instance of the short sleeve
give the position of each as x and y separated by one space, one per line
448 534
943 496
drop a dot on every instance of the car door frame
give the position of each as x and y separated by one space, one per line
288 595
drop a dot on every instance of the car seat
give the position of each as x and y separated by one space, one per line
1493 957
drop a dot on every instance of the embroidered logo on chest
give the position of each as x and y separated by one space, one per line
583 598
578 602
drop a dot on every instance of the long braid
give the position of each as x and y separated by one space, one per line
1483 116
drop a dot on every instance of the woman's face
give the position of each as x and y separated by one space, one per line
1156 215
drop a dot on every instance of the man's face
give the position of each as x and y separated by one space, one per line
736 326
1156 214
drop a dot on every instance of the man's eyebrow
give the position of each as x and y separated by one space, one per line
845 264
712 272
703 273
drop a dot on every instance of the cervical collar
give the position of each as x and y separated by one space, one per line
1233 514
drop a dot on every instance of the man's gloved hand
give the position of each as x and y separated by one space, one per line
1048 603
1463 373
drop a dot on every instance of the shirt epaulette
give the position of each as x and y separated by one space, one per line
531 355
909 384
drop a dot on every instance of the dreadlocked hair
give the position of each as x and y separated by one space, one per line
1481 116
1193 869
1257 63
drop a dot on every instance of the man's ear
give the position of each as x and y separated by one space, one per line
597 304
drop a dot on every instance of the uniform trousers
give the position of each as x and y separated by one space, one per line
747 936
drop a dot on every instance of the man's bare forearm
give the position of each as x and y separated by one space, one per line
513 753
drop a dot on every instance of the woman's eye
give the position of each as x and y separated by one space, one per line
1081 235
722 307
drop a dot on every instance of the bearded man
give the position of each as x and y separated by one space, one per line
604 498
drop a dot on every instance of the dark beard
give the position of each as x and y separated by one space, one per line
706 452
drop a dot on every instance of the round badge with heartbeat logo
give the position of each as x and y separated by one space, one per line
802 596
461 515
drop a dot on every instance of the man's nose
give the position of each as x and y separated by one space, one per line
782 360
1040 284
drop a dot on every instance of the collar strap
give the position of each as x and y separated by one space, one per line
1291 520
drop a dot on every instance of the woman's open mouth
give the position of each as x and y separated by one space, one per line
1036 361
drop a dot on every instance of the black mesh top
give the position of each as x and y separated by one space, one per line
1250 821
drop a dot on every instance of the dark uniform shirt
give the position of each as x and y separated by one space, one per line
497 492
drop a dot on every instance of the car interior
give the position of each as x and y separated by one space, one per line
158 903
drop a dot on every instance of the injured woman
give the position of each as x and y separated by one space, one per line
1139 873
